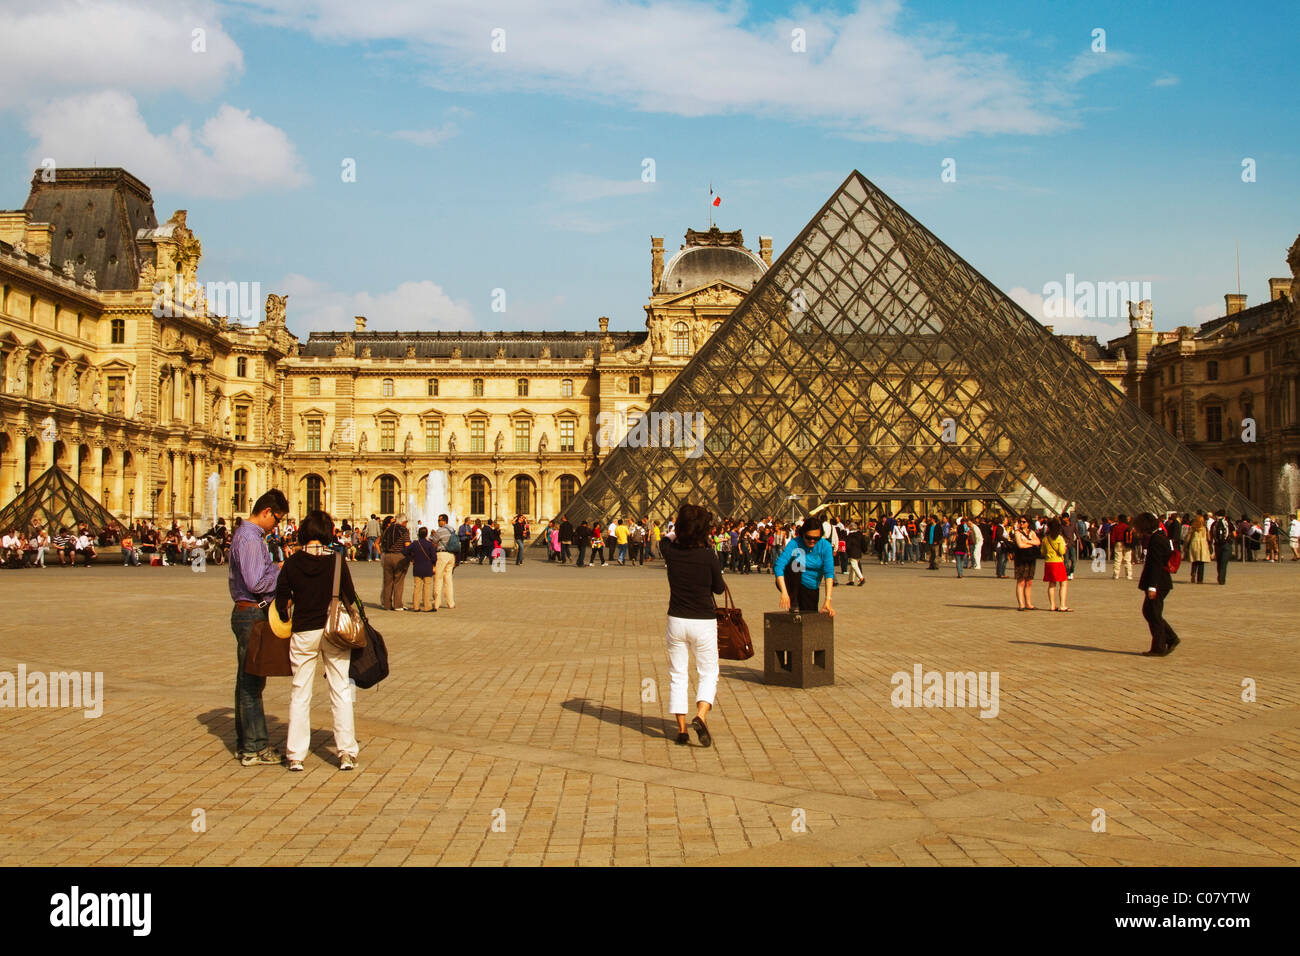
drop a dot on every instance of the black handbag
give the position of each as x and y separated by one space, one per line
370 663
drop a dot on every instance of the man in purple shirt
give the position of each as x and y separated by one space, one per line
253 577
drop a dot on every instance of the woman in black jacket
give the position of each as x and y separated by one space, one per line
307 579
694 576
1155 584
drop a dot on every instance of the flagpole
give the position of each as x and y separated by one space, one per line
710 204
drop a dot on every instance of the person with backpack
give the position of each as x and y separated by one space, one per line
1221 538
448 544
1121 546
422 554
1156 584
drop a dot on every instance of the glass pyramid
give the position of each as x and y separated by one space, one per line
872 359
54 501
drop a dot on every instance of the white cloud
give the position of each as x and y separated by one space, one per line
578 187
1168 79
422 305
428 137
56 47
1207 313
863 72
1071 323
231 154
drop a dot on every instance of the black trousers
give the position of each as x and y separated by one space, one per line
801 598
1162 635
1221 558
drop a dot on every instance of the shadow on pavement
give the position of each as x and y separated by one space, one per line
1080 647
658 727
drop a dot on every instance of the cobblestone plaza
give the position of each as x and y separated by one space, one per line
529 727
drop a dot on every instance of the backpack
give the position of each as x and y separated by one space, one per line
453 544
1128 535
1220 531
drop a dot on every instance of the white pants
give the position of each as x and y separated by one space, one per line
305 648
685 634
856 567
442 584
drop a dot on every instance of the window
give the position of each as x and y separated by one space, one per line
478 435
1245 365
388 388
388 435
314 427
568 490
388 494
681 339
313 386
634 385
116 394
523 435
242 503
523 495
432 436
478 388
719 439
478 495
117 332
1214 423
315 492
521 388
1211 371
566 388
567 429
241 423
432 385
241 367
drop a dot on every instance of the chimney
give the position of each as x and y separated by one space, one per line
1235 301
765 249
656 262
361 323
1279 289
604 324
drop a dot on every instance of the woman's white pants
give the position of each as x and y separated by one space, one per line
305 648
686 635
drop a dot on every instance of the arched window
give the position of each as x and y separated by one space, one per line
478 488
568 490
566 388
523 495
315 492
521 388
388 494
478 388
681 338
388 388
313 386
634 385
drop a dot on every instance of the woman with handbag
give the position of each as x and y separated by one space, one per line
694 576
307 579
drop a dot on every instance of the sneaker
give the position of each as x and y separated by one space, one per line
347 762
295 765
267 755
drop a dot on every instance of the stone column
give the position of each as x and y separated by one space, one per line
196 499
544 496
92 480
178 396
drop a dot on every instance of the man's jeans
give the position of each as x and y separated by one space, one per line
372 549
250 720
129 557
582 554
622 553
1070 555
519 551
1221 563
961 562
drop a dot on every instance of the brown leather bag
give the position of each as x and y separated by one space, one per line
267 655
734 643
344 627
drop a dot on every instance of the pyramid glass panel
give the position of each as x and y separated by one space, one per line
872 359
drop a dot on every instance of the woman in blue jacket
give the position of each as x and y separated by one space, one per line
806 560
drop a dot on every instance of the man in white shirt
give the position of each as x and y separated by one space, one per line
85 548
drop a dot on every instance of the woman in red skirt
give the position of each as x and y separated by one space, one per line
1054 567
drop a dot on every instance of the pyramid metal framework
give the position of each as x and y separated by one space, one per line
871 356
54 501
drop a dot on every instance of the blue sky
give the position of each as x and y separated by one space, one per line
521 169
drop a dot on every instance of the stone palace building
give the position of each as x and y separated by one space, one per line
116 368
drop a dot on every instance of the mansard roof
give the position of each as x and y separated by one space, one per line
472 345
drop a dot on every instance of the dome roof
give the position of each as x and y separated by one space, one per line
696 266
